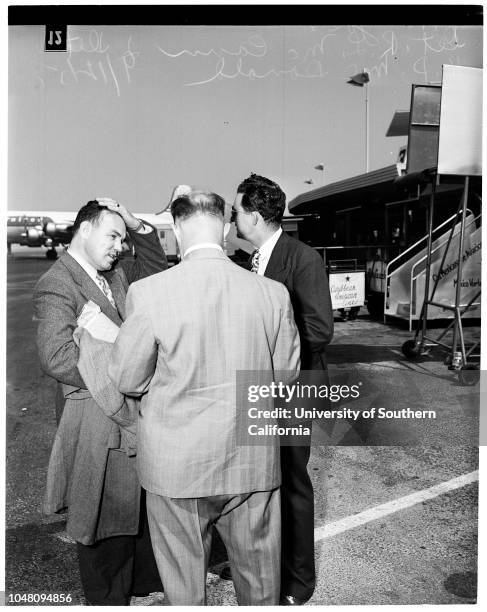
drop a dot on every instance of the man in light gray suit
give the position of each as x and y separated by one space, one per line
187 333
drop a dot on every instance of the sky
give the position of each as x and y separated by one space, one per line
131 111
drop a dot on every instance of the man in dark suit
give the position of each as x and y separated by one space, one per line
258 211
89 473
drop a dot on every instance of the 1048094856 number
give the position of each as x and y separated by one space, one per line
39 598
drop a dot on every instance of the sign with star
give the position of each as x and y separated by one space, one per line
347 289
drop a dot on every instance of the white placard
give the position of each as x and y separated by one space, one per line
460 145
347 289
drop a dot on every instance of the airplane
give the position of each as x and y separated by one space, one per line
39 229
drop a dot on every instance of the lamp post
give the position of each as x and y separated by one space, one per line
361 80
322 168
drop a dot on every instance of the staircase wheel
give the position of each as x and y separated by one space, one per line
469 375
411 350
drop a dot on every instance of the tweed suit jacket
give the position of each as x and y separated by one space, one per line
99 488
188 331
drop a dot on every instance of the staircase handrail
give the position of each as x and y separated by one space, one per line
438 246
423 239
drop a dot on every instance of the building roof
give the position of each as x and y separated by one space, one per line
376 185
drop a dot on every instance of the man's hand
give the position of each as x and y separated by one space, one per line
131 222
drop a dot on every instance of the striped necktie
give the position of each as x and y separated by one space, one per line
255 261
105 287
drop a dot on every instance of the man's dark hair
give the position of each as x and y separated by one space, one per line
92 212
264 196
201 202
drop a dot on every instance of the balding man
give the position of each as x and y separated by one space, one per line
187 333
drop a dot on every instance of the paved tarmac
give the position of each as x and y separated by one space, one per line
385 532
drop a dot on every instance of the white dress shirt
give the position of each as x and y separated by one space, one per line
266 251
87 267
202 245
93 274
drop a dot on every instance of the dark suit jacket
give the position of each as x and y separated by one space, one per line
86 473
301 270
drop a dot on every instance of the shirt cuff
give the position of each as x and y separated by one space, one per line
142 228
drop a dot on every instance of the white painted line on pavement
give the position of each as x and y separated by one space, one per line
372 514
64 537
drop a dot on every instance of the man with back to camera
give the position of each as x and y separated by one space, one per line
88 473
257 212
182 355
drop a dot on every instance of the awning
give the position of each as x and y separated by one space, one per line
377 185
399 125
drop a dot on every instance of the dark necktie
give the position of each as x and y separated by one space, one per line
255 261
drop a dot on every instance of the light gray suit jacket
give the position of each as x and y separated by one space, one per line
187 332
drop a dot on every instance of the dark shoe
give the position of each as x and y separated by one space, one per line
290 600
226 573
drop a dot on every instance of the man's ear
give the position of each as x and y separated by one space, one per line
256 217
85 229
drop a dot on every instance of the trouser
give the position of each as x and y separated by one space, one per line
115 568
249 525
297 503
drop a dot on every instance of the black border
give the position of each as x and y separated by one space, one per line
253 15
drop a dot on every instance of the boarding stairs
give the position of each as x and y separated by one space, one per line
405 275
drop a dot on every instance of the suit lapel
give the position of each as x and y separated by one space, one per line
276 267
89 290
119 292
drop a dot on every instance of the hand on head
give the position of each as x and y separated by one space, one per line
111 204
130 221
